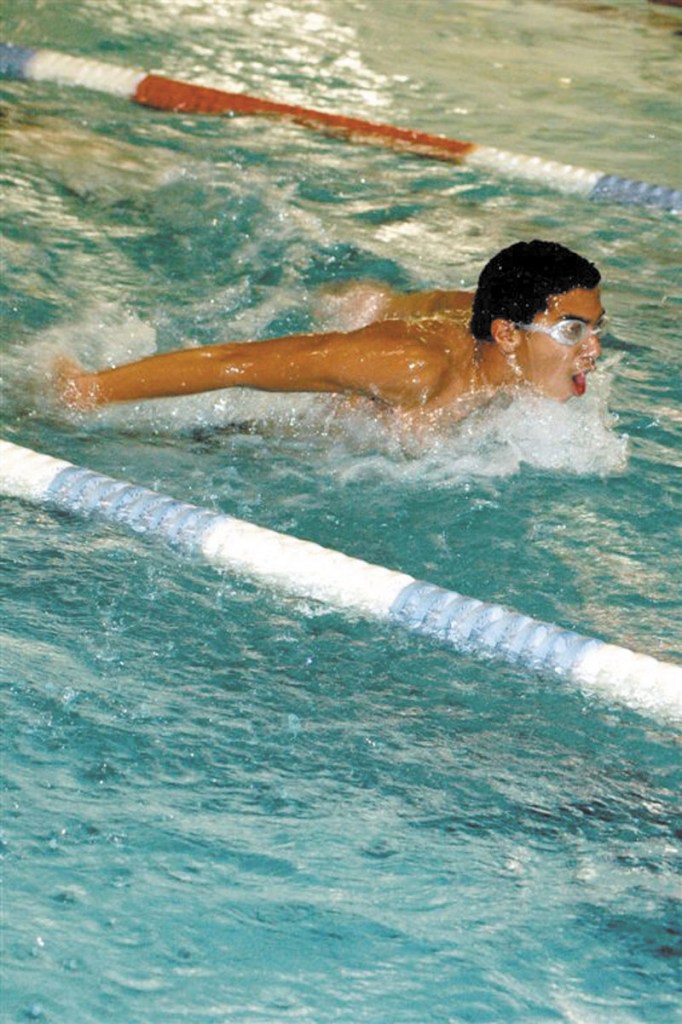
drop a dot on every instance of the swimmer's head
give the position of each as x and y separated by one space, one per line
517 283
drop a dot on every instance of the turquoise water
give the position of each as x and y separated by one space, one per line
224 805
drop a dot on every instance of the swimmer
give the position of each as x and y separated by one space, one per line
428 358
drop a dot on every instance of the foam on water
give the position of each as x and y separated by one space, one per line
578 437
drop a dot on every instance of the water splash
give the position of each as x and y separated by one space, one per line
578 437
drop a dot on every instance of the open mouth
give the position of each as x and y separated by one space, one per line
579 380
579 383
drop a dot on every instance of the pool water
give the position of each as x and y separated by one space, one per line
222 804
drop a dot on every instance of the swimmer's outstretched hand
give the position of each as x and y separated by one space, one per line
74 386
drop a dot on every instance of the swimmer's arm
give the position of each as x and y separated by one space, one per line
382 361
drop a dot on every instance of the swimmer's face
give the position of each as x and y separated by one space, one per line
553 368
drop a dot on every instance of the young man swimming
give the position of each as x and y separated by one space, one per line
428 357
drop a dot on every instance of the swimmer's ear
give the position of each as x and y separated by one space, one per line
505 335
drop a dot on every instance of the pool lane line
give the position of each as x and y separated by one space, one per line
161 93
306 569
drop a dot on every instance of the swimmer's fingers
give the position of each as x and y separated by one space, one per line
72 385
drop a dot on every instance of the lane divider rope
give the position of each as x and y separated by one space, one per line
308 570
161 93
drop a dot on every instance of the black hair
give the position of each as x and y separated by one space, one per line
516 284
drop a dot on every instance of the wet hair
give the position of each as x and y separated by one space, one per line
517 283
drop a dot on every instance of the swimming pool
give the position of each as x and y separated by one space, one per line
224 804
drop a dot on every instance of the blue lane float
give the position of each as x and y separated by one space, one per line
308 570
162 93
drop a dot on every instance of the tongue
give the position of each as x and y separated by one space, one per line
579 383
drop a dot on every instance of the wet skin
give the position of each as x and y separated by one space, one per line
554 370
417 359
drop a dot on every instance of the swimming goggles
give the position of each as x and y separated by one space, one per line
567 332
